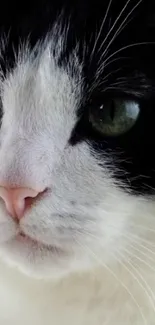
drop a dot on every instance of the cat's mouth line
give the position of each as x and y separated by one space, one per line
26 239
23 237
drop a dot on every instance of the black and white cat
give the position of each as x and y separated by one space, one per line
77 165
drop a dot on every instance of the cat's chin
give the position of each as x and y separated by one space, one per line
38 261
34 259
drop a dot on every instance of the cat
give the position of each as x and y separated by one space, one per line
77 166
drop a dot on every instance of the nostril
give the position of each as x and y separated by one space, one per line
29 201
18 200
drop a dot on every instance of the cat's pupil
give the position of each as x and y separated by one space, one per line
112 110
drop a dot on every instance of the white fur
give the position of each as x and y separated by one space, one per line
94 264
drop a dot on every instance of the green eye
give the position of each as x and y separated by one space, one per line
115 117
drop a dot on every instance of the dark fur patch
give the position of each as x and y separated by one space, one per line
130 71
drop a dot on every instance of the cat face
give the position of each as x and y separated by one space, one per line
77 124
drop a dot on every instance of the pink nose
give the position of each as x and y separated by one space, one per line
17 200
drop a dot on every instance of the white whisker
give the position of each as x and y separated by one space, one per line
130 238
109 74
122 26
104 79
146 241
116 277
114 24
140 259
104 66
101 28
142 227
127 47
135 236
139 276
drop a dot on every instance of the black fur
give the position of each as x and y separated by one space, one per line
131 156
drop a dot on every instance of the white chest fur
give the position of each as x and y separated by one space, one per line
89 299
